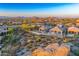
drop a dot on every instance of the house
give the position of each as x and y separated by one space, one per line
73 30
1 23
58 30
16 23
42 28
77 23
3 29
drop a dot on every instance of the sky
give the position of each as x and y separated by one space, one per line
39 9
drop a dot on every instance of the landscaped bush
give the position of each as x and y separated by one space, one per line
76 52
76 36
